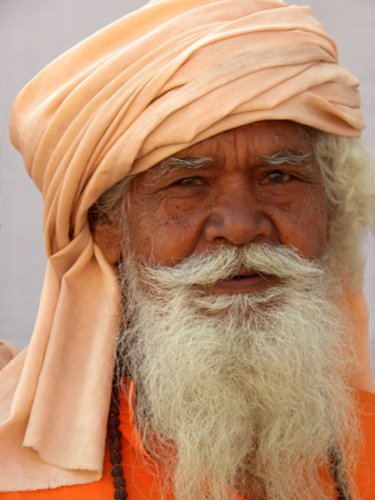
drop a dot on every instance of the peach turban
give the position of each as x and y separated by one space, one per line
156 81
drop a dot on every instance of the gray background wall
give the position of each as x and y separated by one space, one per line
32 33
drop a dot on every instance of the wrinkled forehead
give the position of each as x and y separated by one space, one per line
252 142
272 135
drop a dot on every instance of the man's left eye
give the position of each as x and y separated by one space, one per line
190 181
276 177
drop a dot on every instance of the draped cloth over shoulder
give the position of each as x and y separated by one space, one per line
109 107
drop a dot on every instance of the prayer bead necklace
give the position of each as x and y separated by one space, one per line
115 445
115 457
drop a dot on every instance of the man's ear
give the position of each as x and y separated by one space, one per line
107 237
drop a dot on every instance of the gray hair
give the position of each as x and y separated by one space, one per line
347 167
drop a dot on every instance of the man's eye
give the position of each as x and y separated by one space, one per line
190 181
276 177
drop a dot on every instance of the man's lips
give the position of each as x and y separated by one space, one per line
246 273
245 281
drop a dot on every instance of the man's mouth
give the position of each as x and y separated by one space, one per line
245 281
245 273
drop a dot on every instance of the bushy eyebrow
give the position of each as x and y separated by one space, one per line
174 163
286 157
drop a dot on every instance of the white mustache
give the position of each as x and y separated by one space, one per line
227 261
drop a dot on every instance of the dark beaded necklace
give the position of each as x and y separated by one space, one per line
338 469
115 447
336 460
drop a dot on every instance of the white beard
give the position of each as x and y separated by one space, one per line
250 388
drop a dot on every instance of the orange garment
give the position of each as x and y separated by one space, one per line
139 469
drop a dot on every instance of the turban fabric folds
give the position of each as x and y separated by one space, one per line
113 106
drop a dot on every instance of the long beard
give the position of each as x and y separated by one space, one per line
249 389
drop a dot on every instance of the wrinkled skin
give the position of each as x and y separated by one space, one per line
236 199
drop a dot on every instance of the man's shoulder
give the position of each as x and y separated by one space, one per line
366 466
366 398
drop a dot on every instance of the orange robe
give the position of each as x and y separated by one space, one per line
139 469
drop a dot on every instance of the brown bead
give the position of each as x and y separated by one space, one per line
113 421
120 494
119 482
116 470
114 433
114 409
115 444
115 458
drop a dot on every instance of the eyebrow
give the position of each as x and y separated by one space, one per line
174 163
286 157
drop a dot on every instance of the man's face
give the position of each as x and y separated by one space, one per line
259 183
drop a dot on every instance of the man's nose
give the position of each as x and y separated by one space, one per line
238 216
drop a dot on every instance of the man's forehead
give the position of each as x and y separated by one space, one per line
266 142
274 131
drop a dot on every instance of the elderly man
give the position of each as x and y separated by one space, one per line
206 194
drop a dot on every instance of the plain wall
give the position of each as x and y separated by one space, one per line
34 32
